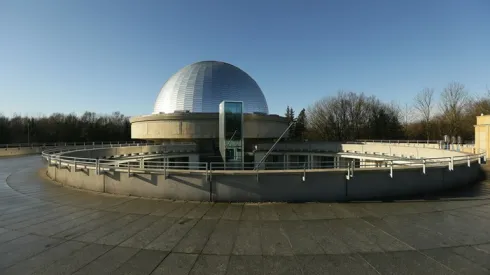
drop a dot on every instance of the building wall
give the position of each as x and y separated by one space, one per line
191 126
482 134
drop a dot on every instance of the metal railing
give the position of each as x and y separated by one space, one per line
400 141
136 165
66 144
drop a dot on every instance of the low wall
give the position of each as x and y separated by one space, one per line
19 151
417 150
248 186
392 150
115 151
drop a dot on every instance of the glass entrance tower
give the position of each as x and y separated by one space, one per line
231 133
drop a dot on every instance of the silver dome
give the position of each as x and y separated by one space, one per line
200 88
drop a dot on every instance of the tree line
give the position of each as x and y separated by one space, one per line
345 116
58 127
348 116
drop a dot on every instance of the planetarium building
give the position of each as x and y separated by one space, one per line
187 109
212 139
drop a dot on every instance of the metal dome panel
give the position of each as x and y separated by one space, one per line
202 86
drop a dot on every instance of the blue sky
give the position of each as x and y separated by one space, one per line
104 56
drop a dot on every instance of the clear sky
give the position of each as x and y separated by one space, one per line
104 56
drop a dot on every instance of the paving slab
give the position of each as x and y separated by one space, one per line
44 259
248 238
196 238
210 265
233 212
250 265
405 262
172 236
142 263
454 261
150 233
120 235
176 264
75 261
108 262
221 241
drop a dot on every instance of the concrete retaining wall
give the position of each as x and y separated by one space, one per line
390 149
401 150
19 151
245 186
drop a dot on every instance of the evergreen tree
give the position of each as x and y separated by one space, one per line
300 126
290 117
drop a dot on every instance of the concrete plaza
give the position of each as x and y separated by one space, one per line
49 229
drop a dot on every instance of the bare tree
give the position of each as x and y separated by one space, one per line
351 116
423 103
454 99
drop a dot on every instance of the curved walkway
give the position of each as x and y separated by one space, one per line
48 229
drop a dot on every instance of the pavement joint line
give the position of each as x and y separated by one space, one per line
159 263
369 263
34 255
414 249
112 248
29 215
85 215
48 220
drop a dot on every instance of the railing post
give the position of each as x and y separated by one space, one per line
391 169
423 166
97 166
352 167
348 170
129 169
304 172
349 173
165 160
469 162
452 163
75 164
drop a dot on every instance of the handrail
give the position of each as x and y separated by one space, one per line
61 144
140 165
400 141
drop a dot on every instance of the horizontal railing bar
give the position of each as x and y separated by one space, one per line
138 163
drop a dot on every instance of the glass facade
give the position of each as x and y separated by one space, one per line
231 133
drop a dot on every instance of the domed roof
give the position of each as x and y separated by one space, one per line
202 86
